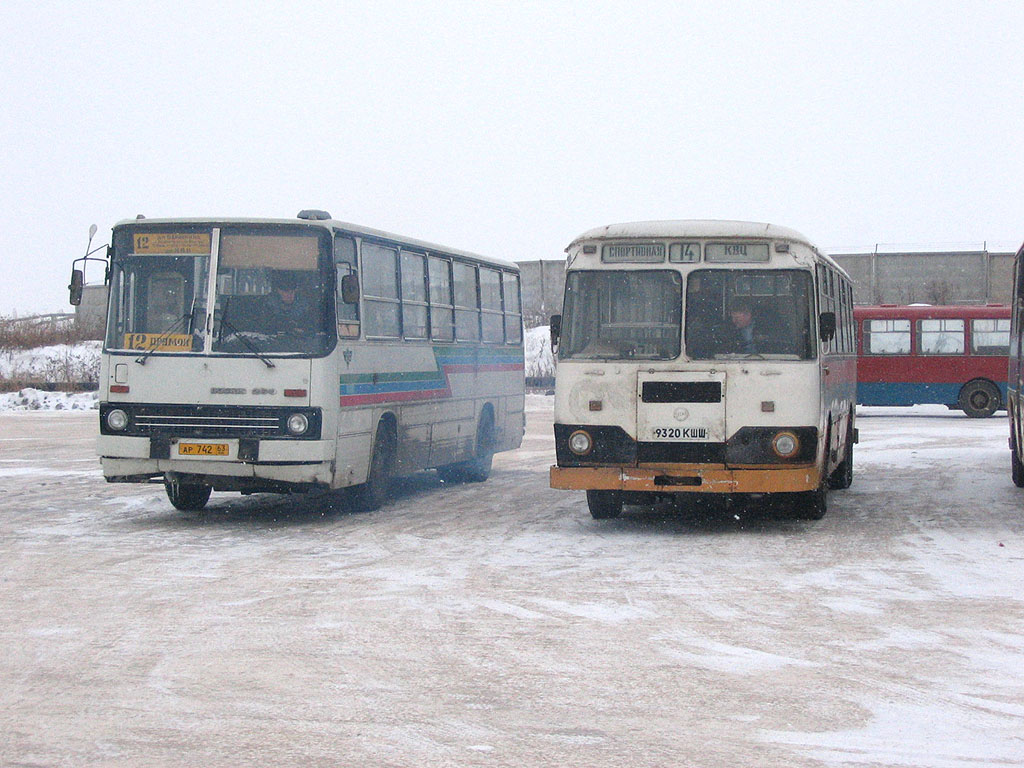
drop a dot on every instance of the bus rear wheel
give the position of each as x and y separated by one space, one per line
187 497
604 505
979 399
477 469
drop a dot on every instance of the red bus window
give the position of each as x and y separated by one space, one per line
990 336
941 337
887 337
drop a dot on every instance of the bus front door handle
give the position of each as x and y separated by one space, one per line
826 370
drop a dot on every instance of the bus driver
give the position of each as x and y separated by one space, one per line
285 309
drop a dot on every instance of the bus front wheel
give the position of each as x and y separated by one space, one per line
979 399
1016 468
187 497
842 476
604 505
809 505
374 492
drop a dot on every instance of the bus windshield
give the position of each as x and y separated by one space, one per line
270 291
620 314
749 313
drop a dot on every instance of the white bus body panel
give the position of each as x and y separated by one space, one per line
792 389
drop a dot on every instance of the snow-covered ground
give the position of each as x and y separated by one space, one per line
497 624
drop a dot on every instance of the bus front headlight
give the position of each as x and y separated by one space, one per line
297 423
580 443
785 445
117 419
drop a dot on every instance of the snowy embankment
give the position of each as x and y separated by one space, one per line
58 364
81 362
29 399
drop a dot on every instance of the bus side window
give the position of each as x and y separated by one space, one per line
990 336
887 337
467 302
414 295
513 308
941 337
379 278
442 317
491 319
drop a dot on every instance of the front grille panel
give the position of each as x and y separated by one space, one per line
210 421
681 392
163 423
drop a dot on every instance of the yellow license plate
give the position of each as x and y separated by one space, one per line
202 449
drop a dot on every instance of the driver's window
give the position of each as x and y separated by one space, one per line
345 264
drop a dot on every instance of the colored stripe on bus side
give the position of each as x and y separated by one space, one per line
912 394
404 386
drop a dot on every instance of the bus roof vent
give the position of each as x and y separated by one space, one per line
314 215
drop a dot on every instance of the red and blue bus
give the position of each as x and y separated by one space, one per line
950 355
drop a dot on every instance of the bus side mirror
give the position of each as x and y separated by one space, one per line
350 288
827 326
556 331
75 288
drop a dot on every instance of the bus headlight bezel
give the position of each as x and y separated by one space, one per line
580 442
786 445
297 424
117 420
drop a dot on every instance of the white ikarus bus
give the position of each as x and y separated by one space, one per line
703 357
288 355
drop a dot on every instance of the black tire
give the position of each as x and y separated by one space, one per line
604 505
451 473
1016 470
375 491
842 476
187 497
479 469
809 505
979 399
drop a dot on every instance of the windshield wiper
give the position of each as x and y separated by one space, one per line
240 335
180 322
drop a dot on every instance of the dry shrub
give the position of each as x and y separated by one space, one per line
32 332
65 369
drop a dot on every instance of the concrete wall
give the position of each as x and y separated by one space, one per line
955 277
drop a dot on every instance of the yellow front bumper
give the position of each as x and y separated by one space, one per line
687 479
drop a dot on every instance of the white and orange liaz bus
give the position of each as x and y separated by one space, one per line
703 357
292 354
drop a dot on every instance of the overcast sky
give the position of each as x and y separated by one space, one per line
508 128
